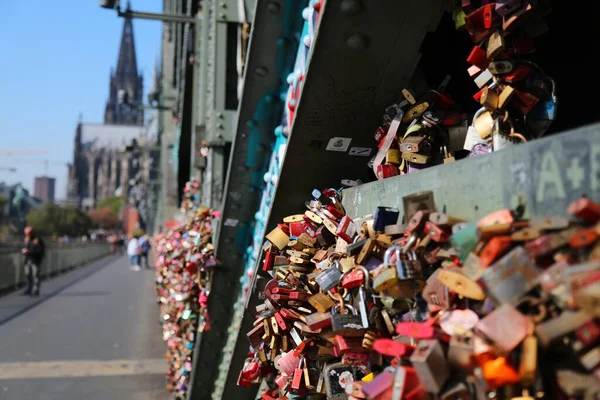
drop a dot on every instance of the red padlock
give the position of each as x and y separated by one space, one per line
269 261
348 344
437 233
281 322
496 247
586 209
478 58
296 228
524 101
346 229
386 171
353 279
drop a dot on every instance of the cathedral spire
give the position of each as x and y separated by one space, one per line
127 63
126 79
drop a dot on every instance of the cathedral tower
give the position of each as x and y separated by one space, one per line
126 80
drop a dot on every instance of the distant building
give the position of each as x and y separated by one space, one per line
17 208
43 188
103 161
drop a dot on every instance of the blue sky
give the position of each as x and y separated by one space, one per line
55 61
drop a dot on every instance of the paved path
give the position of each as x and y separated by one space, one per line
93 334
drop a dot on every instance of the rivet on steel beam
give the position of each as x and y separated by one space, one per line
358 42
223 16
273 7
261 71
282 41
223 4
351 7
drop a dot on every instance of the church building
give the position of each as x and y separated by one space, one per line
103 163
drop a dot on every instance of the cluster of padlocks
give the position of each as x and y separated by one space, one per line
428 306
518 100
184 267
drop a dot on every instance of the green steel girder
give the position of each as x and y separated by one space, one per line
241 199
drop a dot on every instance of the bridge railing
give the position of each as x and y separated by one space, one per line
58 259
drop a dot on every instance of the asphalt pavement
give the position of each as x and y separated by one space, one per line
93 334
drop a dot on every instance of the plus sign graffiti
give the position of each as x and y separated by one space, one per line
562 169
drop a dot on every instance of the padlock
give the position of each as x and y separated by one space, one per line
415 158
483 122
439 234
495 45
528 362
379 384
337 377
297 386
478 58
585 209
461 352
318 320
505 336
517 18
331 277
511 277
484 78
321 302
347 344
393 157
506 7
346 229
480 22
279 238
386 171
415 112
430 364
346 323
415 144
489 99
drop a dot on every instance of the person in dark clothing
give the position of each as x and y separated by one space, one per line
34 254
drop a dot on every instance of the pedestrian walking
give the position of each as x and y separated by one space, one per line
121 243
33 251
144 244
133 251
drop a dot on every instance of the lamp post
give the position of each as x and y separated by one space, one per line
128 13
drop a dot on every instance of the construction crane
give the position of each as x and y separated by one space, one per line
12 152
41 160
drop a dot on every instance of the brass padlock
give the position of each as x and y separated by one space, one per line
415 157
483 122
415 144
495 45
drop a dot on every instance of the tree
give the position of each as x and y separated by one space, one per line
3 202
51 219
104 218
115 203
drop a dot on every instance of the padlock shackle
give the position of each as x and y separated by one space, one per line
366 274
477 114
388 252
348 306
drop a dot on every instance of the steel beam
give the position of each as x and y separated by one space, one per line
242 194
365 54
380 40
543 176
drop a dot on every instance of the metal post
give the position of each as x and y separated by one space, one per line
182 19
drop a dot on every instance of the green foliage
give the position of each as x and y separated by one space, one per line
139 232
115 203
51 219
